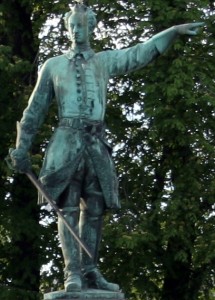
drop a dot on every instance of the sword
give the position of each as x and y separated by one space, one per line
43 192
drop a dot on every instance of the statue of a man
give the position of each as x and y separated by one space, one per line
78 163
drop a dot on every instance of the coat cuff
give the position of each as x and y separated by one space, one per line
164 39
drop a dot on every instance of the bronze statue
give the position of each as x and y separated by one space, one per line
78 163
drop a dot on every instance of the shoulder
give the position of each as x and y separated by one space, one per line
110 54
104 55
55 60
53 63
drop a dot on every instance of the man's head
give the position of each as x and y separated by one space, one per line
80 22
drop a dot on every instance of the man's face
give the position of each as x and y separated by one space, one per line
78 28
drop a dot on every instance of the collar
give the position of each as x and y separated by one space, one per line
86 54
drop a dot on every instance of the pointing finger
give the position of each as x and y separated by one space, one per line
197 24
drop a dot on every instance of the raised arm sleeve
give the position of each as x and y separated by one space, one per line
131 59
136 57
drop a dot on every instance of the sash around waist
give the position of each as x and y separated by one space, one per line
89 126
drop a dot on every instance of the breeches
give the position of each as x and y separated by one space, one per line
84 184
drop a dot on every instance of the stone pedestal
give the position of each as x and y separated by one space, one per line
84 294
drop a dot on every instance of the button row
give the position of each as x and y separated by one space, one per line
78 77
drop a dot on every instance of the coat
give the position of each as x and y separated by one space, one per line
78 83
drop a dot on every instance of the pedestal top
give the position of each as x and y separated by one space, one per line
84 294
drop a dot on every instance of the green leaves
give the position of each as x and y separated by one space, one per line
160 245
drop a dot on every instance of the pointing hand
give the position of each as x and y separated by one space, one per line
189 29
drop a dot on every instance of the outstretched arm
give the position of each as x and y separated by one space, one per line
165 38
136 57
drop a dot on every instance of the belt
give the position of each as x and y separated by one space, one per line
82 124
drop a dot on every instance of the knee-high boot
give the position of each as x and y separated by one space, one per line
70 249
90 231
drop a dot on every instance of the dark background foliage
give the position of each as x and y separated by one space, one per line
161 119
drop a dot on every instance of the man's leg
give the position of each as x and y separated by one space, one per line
90 231
91 220
70 207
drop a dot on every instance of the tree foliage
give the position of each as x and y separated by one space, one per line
161 244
